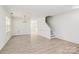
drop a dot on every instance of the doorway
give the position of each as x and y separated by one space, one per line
34 27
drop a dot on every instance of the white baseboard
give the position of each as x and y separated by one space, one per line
67 39
20 34
48 37
4 43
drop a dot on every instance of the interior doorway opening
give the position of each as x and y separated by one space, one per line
34 30
34 27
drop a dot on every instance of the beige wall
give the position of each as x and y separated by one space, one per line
4 36
66 26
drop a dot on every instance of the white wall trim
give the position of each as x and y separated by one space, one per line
4 43
59 37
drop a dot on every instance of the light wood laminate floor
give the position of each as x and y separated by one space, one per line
25 44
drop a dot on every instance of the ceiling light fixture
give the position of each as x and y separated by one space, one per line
11 12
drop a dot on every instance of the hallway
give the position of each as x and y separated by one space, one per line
37 44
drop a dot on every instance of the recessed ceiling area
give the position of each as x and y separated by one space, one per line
37 10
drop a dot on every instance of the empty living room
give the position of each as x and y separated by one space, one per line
39 29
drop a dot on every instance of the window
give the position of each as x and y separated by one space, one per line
8 24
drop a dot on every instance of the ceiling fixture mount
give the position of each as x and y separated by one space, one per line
11 11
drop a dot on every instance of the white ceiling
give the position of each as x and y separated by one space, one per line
38 10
